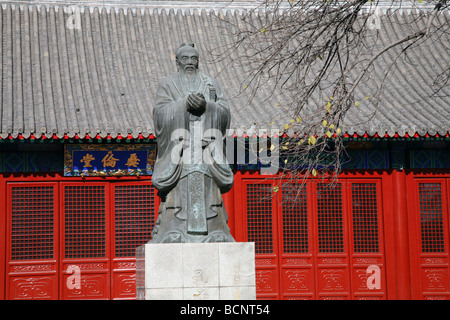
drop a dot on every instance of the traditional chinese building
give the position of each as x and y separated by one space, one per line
77 149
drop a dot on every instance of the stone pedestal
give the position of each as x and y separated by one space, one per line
202 271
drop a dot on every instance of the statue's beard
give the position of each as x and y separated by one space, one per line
190 78
190 75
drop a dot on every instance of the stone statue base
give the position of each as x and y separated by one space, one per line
196 271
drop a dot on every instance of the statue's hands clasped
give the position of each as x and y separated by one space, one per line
196 103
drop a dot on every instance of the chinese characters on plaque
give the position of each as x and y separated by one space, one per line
110 160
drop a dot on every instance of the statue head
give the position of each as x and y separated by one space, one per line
187 58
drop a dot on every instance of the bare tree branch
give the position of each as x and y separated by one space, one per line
318 54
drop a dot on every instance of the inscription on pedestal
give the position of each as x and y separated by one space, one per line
196 271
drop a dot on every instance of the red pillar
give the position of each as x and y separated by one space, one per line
2 237
401 236
240 233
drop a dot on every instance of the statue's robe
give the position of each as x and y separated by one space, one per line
191 208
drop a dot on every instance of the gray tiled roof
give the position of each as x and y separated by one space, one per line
101 78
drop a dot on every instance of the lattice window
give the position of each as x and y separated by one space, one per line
134 218
32 219
259 217
365 217
85 226
431 219
295 220
330 218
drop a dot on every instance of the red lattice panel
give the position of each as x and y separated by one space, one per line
32 219
259 217
134 219
85 226
330 218
431 218
295 220
365 218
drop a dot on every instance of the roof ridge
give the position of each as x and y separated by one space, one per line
160 6
190 7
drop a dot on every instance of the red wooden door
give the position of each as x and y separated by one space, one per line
260 224
296 245
134 212
367 244
429 238
32 246
85 241
331 237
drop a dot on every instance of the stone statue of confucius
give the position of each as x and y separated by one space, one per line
191 173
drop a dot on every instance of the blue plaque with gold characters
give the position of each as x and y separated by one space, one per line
109 160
